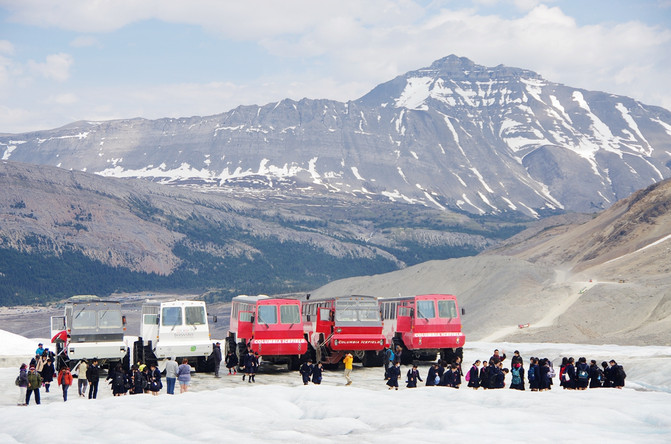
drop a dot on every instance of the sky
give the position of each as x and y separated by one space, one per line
68 60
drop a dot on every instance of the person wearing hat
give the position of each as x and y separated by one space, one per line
348 359
34 384
40 350
216 357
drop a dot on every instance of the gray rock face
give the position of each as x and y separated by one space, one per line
454 135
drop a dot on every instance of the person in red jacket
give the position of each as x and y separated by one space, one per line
65 381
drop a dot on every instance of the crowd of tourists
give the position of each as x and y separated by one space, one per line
487 374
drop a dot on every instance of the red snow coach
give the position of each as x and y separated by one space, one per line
338 325
423 326
272 327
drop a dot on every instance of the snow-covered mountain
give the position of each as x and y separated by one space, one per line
457 135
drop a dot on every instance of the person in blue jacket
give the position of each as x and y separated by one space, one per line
306 371
394 373
413 377
317 371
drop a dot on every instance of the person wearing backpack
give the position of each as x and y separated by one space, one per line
64 379
413 377
472 376
138 383
582 374
432 376
22 383
607 378
117 378
617 374
517 377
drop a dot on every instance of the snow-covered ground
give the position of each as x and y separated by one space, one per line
279 408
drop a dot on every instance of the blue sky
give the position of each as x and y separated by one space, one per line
62 61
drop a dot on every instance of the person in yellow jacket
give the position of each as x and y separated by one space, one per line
348 359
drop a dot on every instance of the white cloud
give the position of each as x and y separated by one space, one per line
6 47
84 41
56 67
348 47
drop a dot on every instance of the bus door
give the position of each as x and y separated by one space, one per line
324 320
150 326
246 324
403 319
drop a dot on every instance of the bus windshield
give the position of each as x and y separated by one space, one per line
447 309
267 314
109 319
171 316
426 310
195 315
85 319
289 314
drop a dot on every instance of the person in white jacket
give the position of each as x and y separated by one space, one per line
171 368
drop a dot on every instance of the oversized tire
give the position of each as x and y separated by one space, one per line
373 358
448 355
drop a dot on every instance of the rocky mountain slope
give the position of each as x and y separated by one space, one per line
69 232
456 135
604 280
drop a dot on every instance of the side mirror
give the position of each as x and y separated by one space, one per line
158 319
463 311
123 319
214 319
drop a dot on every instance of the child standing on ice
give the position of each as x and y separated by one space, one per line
472 375
394 374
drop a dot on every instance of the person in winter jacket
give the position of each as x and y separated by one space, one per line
607 379
306 371
582 374
117 379
517 376
347 360
458 373
23 384
516 359
138 383
617 374
251 365
473 375
533 375
413 376
40 350
34 384
496 376
65 381
394 374
47 373
569 375
184 376
82 383
317 371
231 362
496 357
171 368
216 358
433 378
595 375
388 360
449 377
93 377
155 384
484 375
